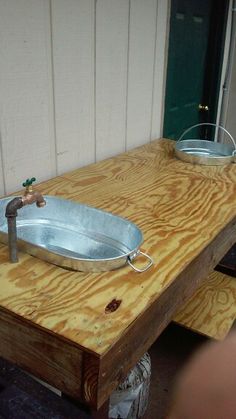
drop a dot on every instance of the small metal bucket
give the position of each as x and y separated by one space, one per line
205 152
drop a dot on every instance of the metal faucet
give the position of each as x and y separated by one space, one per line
28 198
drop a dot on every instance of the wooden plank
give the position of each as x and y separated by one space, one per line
142 35
26 114
102 413
160 68
111 76
145 329
211 311
73 63
52 359
91 368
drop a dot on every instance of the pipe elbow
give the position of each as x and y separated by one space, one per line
13 206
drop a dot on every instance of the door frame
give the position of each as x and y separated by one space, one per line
224 68
226 72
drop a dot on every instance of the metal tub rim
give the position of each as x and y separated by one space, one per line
206 152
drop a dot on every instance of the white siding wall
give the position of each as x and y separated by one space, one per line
80 80
73 71
142 40
112 19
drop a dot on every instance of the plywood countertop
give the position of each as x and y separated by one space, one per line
187 215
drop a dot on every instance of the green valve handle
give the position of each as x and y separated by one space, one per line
28 182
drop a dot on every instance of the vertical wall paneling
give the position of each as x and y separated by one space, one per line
26 117
140 73
73 68
160 68
111 76
80 80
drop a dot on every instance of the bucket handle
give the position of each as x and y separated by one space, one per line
215 125
138 253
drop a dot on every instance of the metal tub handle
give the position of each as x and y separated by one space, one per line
137 254
234 155
217 126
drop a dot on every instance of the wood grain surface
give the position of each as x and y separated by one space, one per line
211 311
188 218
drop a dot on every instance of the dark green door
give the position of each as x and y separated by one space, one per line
197 30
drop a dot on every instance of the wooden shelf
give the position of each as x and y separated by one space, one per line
211 311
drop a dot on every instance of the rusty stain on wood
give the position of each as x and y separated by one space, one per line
112 306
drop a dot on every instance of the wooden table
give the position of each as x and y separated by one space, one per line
53 322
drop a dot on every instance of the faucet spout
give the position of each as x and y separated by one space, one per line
12 207
32 197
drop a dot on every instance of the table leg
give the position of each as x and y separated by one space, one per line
102 413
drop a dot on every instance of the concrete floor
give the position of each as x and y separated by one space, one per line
21 397
169 354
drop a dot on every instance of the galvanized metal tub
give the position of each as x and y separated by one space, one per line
75 236
205 152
